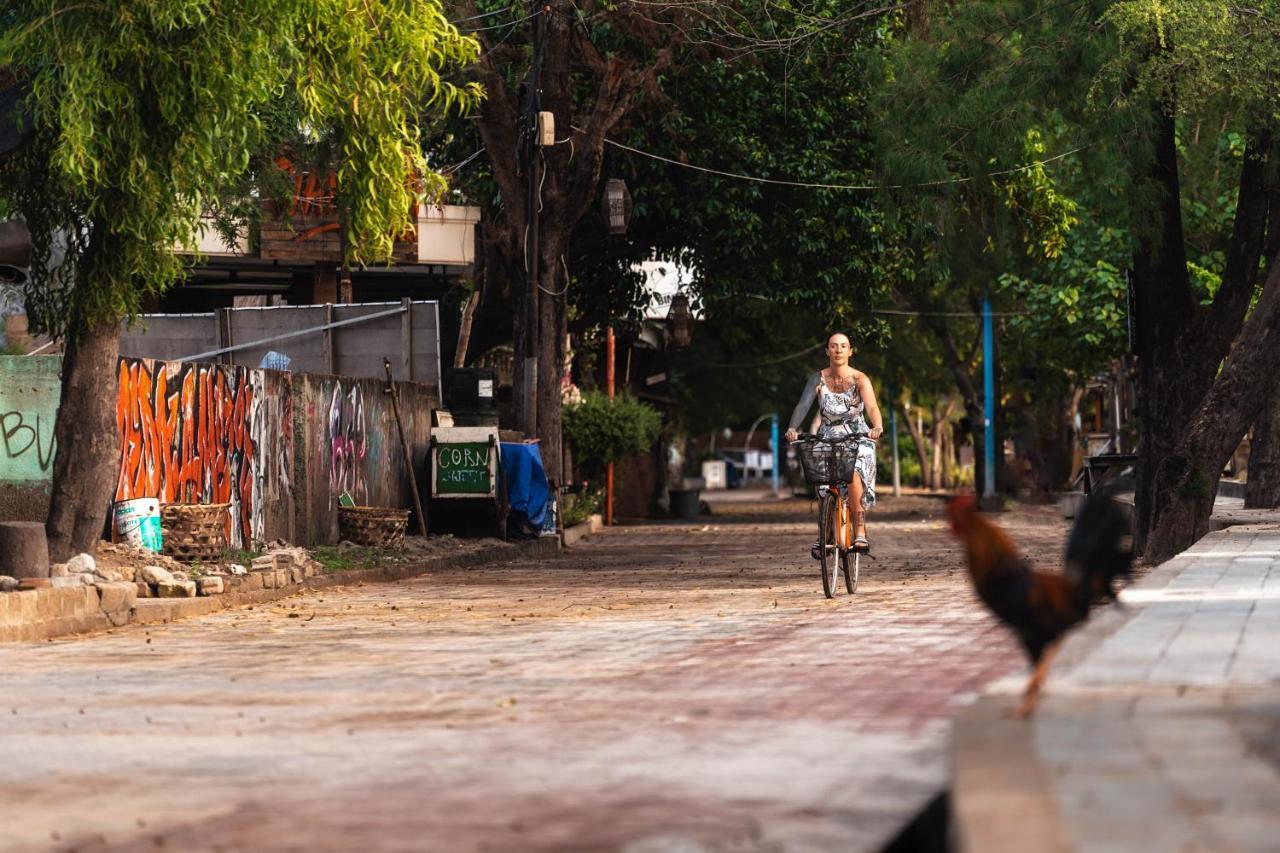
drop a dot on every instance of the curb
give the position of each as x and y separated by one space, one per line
574 535
149 611
1002 798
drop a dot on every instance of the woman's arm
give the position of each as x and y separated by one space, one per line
868 395
802 408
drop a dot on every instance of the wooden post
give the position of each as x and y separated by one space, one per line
328 339
464 332
404 446
406 338
225 336
609 391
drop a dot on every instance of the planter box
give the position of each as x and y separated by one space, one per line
447 234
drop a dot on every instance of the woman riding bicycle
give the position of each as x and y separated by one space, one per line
846 402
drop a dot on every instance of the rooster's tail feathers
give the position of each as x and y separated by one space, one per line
1100 549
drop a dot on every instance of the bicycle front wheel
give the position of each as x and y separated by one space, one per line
828 518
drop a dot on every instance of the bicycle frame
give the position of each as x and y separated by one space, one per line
844 518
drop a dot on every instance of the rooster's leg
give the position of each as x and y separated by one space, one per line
1032 694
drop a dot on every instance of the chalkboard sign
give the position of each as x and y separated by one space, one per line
463 468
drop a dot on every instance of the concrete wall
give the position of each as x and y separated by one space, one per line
279 447
30 387
411 339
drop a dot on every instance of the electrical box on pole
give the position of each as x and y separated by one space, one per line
546 128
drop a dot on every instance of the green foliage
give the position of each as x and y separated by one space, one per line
336 558
585 505
604 430
148 114
240 556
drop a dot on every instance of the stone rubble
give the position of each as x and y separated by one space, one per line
156 575
176 589
211 585
9 584
81 564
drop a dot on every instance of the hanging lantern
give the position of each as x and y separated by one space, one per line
681 320
616 206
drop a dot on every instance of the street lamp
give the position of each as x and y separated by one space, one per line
616 206
681 319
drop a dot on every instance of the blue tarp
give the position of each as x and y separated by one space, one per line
526 481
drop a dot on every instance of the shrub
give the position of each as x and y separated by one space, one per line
604 430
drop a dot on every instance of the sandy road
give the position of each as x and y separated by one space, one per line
659 688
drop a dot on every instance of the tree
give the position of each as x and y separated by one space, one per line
595 65
146 115
1137 84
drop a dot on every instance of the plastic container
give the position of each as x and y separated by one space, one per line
684 502
138 523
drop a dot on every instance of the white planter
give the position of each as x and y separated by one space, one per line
210 241
447 234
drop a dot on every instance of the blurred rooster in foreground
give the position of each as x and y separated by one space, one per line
1039 606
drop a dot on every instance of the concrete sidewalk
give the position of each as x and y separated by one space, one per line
1160 725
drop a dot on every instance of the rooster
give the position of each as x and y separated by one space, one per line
1040 607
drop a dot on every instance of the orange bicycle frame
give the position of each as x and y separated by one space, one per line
844 522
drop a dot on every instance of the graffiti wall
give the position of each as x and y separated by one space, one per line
280 448
30 388
205 433
346 431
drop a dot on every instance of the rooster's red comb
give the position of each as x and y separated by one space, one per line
961 505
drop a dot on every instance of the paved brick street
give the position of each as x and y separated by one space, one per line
658 688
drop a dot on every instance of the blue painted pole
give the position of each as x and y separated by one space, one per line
989 392
777 450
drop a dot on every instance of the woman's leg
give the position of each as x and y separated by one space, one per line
855 505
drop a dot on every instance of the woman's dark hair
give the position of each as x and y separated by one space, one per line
848 337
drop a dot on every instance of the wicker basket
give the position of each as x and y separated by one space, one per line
372 525
828 463
194 531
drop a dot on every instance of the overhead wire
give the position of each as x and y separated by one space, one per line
482 15
899 313
815 185
768 362
515 23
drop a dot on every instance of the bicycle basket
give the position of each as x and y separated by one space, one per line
825 464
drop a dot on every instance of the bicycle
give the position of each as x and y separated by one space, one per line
829 466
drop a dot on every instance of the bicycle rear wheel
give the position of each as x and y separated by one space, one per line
828 518
851 570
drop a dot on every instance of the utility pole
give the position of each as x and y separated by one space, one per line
893 441
533 163
609 392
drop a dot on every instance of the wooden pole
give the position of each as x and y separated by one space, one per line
404 446
464 333
609 391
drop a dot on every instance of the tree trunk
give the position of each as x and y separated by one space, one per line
1174 378
1186 481
950 456
547 190
1262 491
87 464
922 447
551 355
937 439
